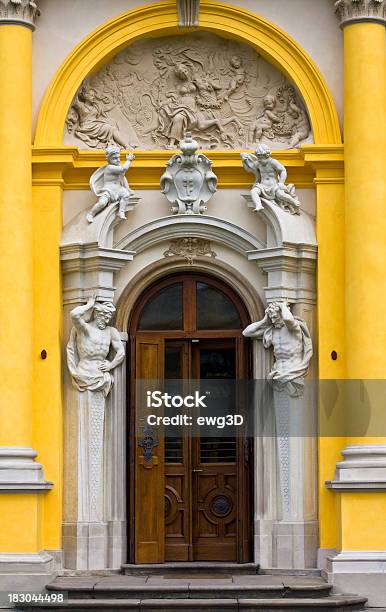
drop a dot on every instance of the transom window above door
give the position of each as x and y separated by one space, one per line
190 303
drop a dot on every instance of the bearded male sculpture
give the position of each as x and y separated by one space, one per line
91 341
89 345
291 343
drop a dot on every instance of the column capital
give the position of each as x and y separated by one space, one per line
188 12
19 12
358 11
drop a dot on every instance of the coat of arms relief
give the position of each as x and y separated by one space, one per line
223 92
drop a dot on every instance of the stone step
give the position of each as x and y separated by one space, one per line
194 567
336 603
202 586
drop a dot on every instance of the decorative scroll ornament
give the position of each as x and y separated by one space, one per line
23 12
270 185
189 248
352 11
188 181
292 347
110 185
154 91
188 12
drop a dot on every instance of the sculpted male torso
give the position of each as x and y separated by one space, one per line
287 344
90 344
292 346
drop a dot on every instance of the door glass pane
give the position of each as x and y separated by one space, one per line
215 310
173 371
163 310
218 363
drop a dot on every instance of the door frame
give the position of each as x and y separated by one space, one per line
244 370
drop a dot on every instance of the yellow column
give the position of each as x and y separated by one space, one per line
20 529
364 135
365 255
15 236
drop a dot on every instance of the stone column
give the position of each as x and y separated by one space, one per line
21 477
287 527
363 23
359 479
16 25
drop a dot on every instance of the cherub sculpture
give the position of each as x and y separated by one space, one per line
270 180
110 185
265 122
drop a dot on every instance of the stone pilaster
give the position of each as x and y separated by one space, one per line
354 11
19 12
188 12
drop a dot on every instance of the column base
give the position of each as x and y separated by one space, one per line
286 545
19 472
359 572
27 572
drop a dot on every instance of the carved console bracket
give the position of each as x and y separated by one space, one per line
188 12
354 11
19 12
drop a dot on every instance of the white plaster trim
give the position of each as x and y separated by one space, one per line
19 473
350 486
296 229
358 561
20 563
178 226
362 469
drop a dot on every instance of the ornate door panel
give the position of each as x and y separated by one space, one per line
149 472
178 525
215 483
191 494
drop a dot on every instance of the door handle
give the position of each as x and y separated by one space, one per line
195 470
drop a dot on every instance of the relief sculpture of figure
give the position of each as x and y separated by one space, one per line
188 108
89 121
110 185
292 347
155 90
89 345
270 184
295 122
264 124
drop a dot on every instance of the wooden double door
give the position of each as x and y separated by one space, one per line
190 493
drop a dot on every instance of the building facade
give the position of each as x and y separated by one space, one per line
81 488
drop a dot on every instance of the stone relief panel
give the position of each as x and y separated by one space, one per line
155 90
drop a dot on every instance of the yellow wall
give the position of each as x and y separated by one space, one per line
47 389
21 523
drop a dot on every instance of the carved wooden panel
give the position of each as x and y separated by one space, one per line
149 470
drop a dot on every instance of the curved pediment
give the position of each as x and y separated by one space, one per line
221 90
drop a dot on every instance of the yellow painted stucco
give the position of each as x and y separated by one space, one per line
350 216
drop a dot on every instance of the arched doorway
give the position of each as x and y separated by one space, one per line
190 495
